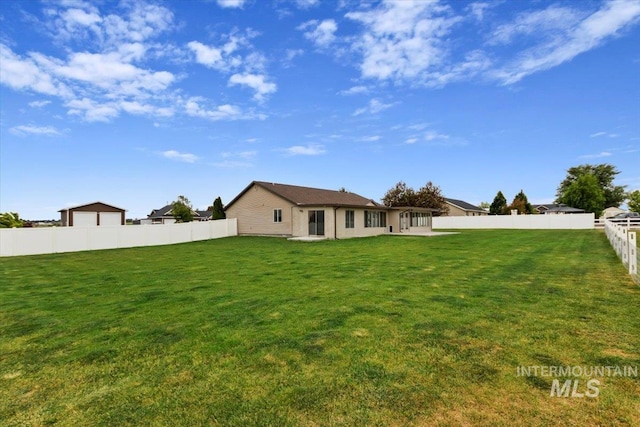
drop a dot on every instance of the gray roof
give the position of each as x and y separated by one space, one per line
308 196
464 205
165 212
565 209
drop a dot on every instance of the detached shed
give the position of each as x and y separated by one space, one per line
91 215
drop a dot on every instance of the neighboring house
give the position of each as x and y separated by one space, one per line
555 209
612 211
264 208
203 215
164 215
462 208
92 214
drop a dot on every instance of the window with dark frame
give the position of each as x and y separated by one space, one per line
375 219
277 215
349 219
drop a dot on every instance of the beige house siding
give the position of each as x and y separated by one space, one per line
254 211
254 207
359 229
456 211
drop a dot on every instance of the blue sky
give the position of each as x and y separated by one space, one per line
136 102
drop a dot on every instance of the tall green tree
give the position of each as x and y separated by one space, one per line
604 173
218 209
10 220
634 201
182 210
499 205
399 195
430 196
585 193
521 204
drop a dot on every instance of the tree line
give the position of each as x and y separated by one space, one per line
587 187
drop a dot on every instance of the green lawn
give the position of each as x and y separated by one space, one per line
375 331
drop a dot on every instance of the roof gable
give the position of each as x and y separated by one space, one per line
308 196
464 205
89 204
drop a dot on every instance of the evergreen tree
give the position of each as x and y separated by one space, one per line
499 205
218 209
521 204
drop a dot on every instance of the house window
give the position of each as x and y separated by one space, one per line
375 219
277 215
420 219
349 219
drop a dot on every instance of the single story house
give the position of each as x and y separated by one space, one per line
165 216
610 212
462 208
265 208
560 209
92 214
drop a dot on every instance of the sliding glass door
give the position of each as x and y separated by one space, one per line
316 223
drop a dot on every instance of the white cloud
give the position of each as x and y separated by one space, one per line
596 156
92 111
181 157
308 150
23 73
231 3
25 130
248 154
355 90
372 138
411 141
539 23
432 136
565 35
374 107
477 9
106 71
404 40
206 55
305 4
255 82
607 134
322 34
222 112
111 74
39 104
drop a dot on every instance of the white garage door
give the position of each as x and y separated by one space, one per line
110 218
85 219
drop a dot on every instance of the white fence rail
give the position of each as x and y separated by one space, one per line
33 241
625 244
558 222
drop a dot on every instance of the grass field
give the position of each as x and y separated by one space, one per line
375 331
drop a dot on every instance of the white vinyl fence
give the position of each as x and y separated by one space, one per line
625 244
558 222
32 241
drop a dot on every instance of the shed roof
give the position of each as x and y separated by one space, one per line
92 203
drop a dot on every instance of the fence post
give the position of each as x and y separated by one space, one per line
633 259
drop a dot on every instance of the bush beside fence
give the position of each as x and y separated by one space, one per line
33 241
625 244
